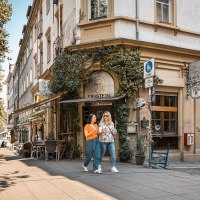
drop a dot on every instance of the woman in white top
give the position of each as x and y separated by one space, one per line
107 133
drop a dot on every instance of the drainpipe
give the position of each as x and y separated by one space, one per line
137 18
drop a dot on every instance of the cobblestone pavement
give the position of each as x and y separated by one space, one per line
191 171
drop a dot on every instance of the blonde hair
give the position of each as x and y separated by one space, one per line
109 116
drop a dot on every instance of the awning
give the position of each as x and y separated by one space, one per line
92 100
37 104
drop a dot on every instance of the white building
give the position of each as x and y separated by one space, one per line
167 30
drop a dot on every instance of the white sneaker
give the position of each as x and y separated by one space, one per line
85 169
99 168
113 169
98 171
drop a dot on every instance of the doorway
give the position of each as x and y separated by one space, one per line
98 111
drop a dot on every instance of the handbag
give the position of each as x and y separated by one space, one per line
113 131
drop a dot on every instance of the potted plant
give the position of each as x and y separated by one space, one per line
141 149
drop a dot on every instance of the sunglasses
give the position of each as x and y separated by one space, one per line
105 115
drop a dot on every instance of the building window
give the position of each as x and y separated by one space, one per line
165 117
98 9
48 38
36 65
164 11
31 75
27 81
47 6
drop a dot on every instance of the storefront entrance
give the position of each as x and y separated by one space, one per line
98 110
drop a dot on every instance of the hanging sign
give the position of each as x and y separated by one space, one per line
194 79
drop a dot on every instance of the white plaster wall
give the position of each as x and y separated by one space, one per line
187 19
124 8
125 29
146 10
188 15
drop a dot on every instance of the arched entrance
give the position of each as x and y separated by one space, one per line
100 86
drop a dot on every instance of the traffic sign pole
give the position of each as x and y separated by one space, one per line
149 71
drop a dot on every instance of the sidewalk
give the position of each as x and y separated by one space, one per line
58 180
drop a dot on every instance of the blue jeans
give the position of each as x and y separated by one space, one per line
92 150
111 148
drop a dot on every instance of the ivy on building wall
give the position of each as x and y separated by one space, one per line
69 74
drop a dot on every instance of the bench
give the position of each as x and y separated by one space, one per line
159 158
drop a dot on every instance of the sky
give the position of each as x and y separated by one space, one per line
14 28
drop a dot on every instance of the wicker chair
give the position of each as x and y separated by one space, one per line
50 148
26 150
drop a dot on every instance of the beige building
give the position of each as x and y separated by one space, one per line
161 29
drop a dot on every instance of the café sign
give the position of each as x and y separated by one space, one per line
194 79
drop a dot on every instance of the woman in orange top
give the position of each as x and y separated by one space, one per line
92 144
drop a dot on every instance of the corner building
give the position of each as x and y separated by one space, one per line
167 30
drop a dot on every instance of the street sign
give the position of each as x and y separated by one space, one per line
149 82
149 68
44 87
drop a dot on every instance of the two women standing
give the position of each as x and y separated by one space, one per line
98 139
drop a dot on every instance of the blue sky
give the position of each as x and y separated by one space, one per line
14 28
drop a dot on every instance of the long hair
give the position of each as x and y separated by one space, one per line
109 117
90 118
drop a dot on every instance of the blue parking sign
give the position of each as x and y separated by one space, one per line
149 68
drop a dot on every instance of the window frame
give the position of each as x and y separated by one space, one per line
99 17
162 109
171 12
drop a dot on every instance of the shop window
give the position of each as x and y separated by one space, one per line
165 116
164 11
98 9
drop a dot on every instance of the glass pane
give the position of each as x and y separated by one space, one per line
166 115
163 1
166 101
173 101
159 13
166 125
94 9
156 115
165 13
103 8
157 101
173 126
173 115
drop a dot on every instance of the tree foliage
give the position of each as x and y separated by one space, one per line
69 73
2 116
5 14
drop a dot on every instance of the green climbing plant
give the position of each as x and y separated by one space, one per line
69 74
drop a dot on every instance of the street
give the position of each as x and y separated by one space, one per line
25 178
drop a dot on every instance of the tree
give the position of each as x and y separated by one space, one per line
5 14
2 116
